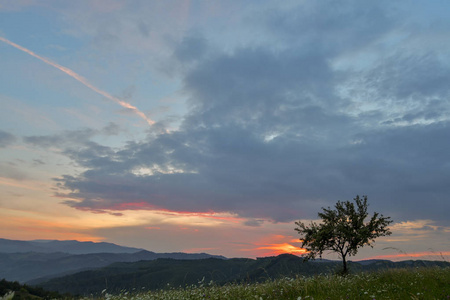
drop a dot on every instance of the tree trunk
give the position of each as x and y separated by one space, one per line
344 262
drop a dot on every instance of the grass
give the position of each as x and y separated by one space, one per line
422 283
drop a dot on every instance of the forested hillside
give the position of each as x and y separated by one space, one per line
161 273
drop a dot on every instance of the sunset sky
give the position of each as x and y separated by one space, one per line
212 126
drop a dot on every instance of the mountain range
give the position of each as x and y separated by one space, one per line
26 261
85 268
71 247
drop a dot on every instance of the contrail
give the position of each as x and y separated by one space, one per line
82 80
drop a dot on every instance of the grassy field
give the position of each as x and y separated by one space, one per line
424 283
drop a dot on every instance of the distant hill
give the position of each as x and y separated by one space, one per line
71 247
35 267
157 274
56 258
372 261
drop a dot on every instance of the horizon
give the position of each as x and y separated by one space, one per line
212 127
395 258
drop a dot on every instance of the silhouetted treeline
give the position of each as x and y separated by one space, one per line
27 292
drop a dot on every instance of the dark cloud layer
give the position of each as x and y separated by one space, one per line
276 133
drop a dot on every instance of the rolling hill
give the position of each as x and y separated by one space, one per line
161 273
71 247
57 259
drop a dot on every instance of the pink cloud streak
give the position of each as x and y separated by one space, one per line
81 79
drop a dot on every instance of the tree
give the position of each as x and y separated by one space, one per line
343 230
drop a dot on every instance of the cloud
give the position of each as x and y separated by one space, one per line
6 139
253 222
37 162
412 85
276 132
331 28
191 48
70 138
111 129
9 170
66 138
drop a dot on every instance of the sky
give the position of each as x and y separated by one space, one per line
212 126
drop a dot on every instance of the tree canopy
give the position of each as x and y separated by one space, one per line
343 230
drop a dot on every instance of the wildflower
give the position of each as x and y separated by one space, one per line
8 296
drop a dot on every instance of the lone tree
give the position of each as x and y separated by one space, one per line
343 230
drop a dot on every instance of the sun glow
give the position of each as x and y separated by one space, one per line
276 244
277 249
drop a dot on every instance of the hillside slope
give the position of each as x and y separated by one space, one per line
157 274
35 261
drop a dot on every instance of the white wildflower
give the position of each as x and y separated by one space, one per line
8 296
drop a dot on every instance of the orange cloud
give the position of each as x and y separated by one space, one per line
296 241
424 255
30 229
146 206
210 214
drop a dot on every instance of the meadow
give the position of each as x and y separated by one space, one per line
419 283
